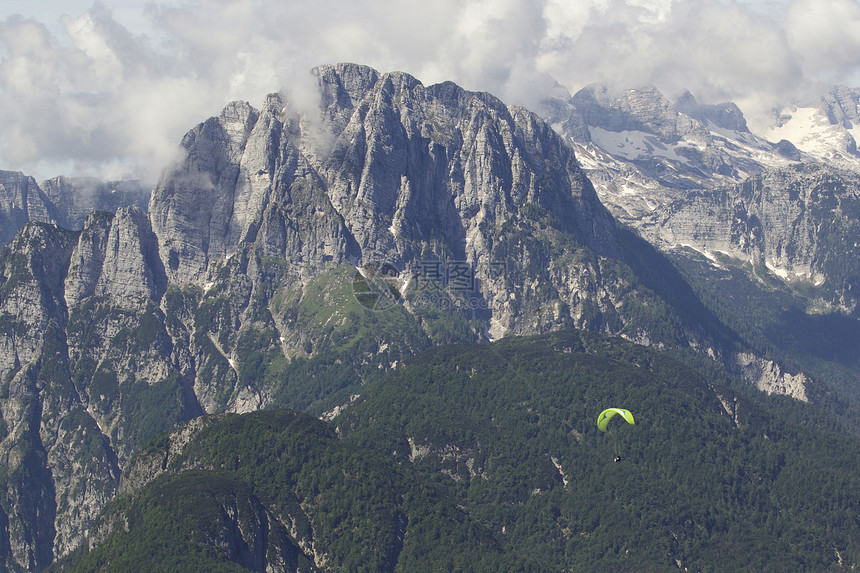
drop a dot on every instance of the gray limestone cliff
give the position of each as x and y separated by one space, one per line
64 201
390 171
21 201
643 150
800 224
72 199
380 169
842 106
726 115
78 369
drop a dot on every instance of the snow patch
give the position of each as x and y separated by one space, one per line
780 272
711 256
809 129
758 149
634 145
855 133
787 274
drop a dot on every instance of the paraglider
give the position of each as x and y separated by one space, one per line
603 425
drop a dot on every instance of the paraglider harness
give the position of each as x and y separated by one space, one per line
616 443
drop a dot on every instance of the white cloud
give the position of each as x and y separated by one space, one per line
825 35
101 95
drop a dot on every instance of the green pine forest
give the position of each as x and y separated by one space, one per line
487 458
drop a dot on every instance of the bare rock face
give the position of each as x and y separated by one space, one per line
21 201
76 360
60 469
800 223
85 268
842 105
643 151
390 171
194 201
635 109
131 269
725 115
770 377
32 296
72 199
116 257
64 201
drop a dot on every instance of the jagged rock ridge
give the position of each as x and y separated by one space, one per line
643 151
21 201
62 200
390 161
692 175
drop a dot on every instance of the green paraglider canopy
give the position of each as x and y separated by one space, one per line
603 425
609 413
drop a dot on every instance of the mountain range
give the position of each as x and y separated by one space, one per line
295 260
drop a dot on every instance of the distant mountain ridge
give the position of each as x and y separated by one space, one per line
63 201
643 151
690 175
801 223
827 129
21 201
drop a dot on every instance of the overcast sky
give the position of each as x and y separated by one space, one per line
109 88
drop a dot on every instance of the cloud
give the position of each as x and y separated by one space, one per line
104 99
824 34
104 103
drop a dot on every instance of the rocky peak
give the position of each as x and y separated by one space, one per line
343 85
132 269
725 115
842 106
387 162
116 257
72 199
642 109
64 201
444 147
87 259
21 201
193 203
